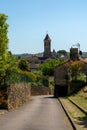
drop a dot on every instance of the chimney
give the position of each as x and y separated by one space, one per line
74 54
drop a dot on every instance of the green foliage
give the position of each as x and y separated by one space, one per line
15 74
61 52
47 68
51 85
41 81
23 65
3 47
75 70
3 34
30 76
21 77
11 68
9 71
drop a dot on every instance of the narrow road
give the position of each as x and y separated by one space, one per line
41 113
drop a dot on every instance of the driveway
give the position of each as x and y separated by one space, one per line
41 113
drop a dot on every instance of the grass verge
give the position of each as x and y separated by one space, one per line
79 118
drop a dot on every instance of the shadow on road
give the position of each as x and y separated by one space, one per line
49 97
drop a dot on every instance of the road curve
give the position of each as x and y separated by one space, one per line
41 113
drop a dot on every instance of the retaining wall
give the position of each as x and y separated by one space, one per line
73 87
15 95
18 94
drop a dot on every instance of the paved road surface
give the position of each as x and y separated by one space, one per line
41 113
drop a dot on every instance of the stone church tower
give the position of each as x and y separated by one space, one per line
47 47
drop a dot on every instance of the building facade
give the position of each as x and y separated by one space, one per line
61 75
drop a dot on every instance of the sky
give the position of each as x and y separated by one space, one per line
30 20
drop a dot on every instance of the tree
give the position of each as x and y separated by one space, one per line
24 65
11 66
3 46
47 68
61 52
3 34
75 69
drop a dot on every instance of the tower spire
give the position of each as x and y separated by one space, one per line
47 46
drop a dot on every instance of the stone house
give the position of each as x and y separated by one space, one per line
62 86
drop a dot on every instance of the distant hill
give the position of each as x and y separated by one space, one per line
84 54
24 55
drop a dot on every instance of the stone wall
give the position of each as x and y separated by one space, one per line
15 95
40 90
73 87
18 94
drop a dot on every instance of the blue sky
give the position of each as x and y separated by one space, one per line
30 20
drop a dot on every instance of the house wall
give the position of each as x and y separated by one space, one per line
62 86
60 73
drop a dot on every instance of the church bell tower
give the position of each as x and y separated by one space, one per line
47 47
